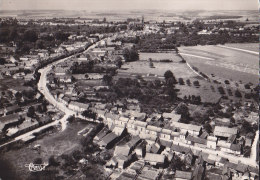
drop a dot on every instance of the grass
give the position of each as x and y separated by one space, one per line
8 83
52 144
246 46
158 56
224 63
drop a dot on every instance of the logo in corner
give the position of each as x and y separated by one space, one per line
36 167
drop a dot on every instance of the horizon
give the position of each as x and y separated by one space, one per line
126 5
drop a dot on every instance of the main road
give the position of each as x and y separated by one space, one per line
42 87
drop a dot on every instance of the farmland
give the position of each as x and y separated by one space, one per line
246 46
224 63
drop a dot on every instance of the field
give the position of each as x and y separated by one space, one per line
180 70
246 46
224 63
8 83
53 144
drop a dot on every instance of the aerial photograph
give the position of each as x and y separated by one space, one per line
129 89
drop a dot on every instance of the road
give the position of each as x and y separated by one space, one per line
48 96
254 152
230 157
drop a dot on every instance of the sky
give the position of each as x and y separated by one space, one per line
94 5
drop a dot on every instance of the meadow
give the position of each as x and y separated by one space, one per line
224 63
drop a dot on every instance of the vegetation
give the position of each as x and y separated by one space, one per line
130 54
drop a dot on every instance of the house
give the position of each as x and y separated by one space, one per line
196 141
193 130
224 146
131 128
135 115
112 162
222 121
149 173
150 139
167 144
232 138
211 142
100 135
122 121
183 175
154 148
27 125
224 132
155 159
122 150
65 100
180 149
118 129
204 135
141 128
77 106
123 160
107 141
8 121
198 173
110 118
140 151
248 142
12 109
235 149
126 176
172 116
133 142
166 134
153 130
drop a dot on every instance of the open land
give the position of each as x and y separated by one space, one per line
224 63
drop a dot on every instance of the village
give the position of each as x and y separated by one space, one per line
188 137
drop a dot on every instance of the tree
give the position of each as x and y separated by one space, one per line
40 44
119 62
182 108
208 128
89 114
188 82
238 93
31 112
221 90
181 81
168 74
30 35
130 55
196 83
107 79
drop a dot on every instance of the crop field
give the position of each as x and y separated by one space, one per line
224 63
246 46
53 144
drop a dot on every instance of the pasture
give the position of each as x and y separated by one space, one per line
223 63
